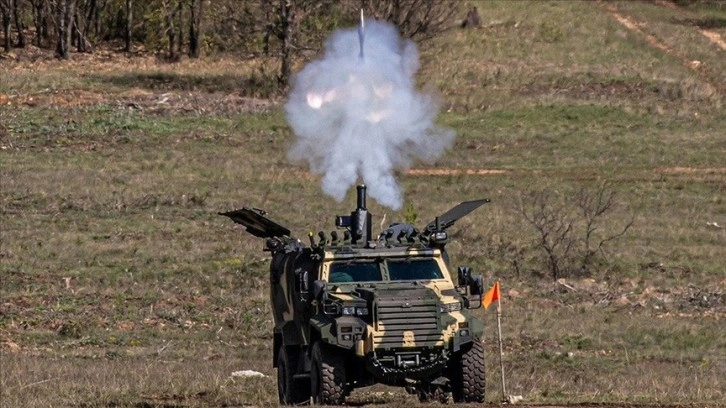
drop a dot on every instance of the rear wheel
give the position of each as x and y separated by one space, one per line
327 376
467 374
289 390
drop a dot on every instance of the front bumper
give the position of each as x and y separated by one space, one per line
394 367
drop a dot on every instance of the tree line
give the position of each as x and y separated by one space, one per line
173 28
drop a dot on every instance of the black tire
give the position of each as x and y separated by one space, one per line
468 382
289 390
327 376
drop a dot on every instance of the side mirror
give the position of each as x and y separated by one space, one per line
319 287
464 277
476 285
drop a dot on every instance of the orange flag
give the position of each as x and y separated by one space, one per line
491 295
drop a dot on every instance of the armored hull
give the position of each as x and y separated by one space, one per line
355 310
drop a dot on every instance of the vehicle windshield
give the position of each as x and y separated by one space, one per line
414 269
398 270
342 272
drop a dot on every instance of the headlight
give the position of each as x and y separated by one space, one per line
439 236
331 309
450 307
354 311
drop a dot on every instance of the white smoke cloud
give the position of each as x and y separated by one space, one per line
359 115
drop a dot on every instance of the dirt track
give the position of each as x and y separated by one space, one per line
640 28
715 173
485 172
620 405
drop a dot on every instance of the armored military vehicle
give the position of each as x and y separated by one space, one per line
352 310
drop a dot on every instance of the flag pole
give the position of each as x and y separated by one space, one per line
501 351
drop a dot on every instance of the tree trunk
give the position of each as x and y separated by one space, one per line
78 31
196 11
46 23
286 34
129 25
18 25
41 10
270 14
5 9
73 25
47 32
97 19
170 30
70 23
180 28
61 51
38 21
89 20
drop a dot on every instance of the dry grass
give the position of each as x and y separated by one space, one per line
544 54
121 286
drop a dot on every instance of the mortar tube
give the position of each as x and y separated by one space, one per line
361 196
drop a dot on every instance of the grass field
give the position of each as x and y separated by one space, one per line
120 286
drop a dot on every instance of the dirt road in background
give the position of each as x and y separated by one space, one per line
641 28
582 174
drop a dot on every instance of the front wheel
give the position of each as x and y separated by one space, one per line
467 374
327 376
289 390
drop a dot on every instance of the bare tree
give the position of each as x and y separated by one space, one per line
196 17
61 8
569 231
279 19
65 22
593 206
554 229
89 9
7 20
180 27
129 32
18 24
41 10
284 29
416 19
170 13
80 26
286 33
95 9
70 25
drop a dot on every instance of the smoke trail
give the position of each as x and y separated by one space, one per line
359 115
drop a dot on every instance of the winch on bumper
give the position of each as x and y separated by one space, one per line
392 367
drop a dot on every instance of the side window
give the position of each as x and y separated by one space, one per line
301 280
305 272
414 269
